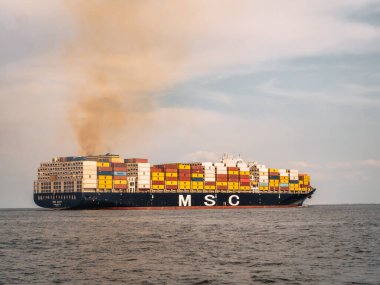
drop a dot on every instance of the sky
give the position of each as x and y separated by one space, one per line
290 84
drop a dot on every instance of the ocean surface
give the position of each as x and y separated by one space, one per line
311 245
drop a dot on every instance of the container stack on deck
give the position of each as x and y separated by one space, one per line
221 176
197 177
158 178
304 182
105 179
274 179
184 178
263 178
284 180
233 178
171 177
293 180
210 176
244 178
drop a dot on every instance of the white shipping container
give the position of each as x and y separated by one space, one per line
221 172
210 179
244 169
284 174
293 171
293 177
262 179
89 162
143 169
144 165
263 169
143 181
90 181
87 186
207 164
143 173
219 164
282 170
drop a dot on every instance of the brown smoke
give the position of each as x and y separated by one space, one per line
125 52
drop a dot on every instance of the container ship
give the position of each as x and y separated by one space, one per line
111 182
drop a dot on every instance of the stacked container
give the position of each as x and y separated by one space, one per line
304 182
263 178
221 176
233 178
105 174
284 180
143 176
197 177
210 176
244 178
158 178
274 179
171 177
293 180
119 176
184 177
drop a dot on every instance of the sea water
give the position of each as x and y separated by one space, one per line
310 245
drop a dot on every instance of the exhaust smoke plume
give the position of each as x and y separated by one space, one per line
125 52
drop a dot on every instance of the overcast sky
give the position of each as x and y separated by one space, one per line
291 84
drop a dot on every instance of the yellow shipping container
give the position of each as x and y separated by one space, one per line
105 186
233 184
184 166
105 177
157 174
171 182
273 169
103 164
221 183
158 178
171 174
244 172
244 188
197 175
233 172
210 187
158 187
120 182
263 188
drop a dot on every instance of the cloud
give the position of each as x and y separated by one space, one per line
350 95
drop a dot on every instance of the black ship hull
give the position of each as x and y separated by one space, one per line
182 200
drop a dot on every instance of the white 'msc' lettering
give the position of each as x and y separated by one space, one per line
233 203
209 200
184 201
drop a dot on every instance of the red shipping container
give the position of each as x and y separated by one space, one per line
244 183
120 169
223 188
120 177
120 186
274 173
198 167
244 180
158 182
244 176
136 160
171 170
221 176
116 164
104 168
222 179
171 178
183 170
209 183
233 180
233 176
171 187
284 188
155 169
232 168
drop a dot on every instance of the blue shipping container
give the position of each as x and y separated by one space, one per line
120 173
105 173
293 181
196 179
263 184
284 185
